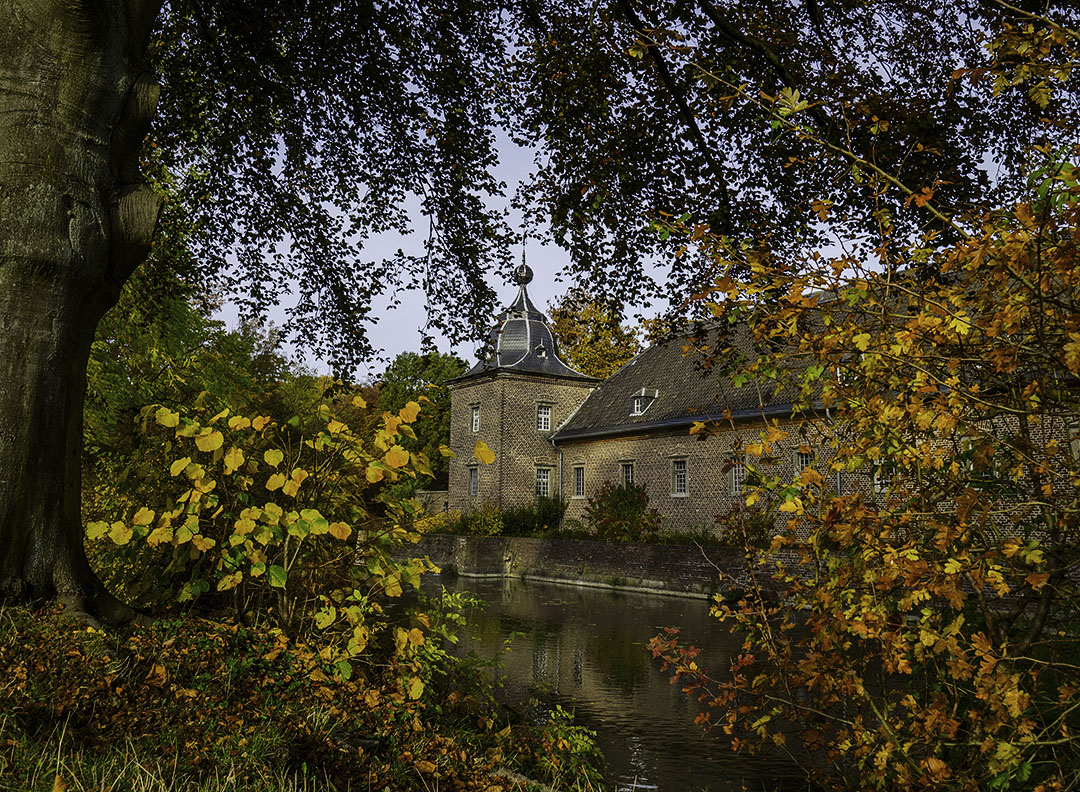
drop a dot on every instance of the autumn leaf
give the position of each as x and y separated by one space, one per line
259 423
483 453
396 457
120 533
234 458
416 688
230 581
177 467
167 417
209 440
340 530
273 457
409 412
238 422
275 481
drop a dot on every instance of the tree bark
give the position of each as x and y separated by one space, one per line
76 219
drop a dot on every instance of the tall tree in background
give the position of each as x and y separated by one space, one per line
590 334
289 131
422 378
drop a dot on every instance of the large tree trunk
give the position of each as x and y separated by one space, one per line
75 221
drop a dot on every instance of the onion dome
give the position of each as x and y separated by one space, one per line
522 341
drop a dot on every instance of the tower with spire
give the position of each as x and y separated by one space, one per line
514 399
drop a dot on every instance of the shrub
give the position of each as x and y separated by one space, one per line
621 513
542 517
746 526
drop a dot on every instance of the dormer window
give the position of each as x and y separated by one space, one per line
640 401
540 351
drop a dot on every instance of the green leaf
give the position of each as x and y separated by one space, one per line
277 576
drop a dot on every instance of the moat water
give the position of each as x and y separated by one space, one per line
585 649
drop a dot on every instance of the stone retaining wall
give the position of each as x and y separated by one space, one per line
684 570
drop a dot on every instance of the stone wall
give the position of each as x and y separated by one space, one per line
508 403
686 570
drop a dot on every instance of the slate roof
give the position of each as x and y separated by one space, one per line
687 388
522 341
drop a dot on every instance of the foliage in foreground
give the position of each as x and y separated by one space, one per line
199 704
927 631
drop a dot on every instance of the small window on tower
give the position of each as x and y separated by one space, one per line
476 418
627 471
543 418
474 482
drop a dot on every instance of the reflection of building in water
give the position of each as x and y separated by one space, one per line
585 650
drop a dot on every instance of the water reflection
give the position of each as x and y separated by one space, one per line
586 649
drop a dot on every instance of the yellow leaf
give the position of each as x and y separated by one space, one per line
119 533
416 688
178 466
340 530
230 581
374 474
210 441
409 412
234 458
259 423
238 422
416 636
97 529
219 416
160 535
358 401
952 566
396 457
861 341
202 543
423 765
273 457
336 427
483 453
143 516
275 481
167 417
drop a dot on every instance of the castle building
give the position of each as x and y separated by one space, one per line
556 432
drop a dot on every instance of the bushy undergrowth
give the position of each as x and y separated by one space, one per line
621 513
290 650
199 704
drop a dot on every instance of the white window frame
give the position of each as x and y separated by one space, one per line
475 418
626 467
737 474
637 406
474 481
543 417
543 482
881 480
803 460
579 481
680 488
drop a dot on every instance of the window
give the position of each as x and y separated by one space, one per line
579 481
543 482
627 473
803 460
737 473
474 482
476 418
882 477
838 482
678 477
641 401
543 417
1074 441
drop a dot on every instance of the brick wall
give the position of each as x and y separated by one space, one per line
508 403
675 569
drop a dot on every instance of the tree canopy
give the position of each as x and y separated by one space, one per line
590 334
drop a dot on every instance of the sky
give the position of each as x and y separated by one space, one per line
400 329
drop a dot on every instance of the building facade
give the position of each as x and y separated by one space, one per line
556 432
